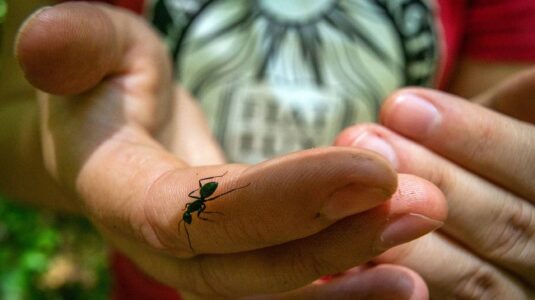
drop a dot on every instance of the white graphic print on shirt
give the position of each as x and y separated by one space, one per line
277 76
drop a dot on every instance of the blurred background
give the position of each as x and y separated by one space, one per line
46 255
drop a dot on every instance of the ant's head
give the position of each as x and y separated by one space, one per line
187 217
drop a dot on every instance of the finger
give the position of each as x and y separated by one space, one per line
492 223
416 209
88 142
191 125
492 145
281 200
379 282
49 43
71 47
278 201
453 273
74 47
514 97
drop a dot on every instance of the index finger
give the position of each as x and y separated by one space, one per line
251 207
69 48
492 145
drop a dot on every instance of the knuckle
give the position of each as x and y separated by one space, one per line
149 230
259 234
318 266
301 266
208 280
482 143
514 240
156 228
479 283
528 160
442 177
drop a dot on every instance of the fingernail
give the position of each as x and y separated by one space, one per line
371 141
412 116
405 229
353 199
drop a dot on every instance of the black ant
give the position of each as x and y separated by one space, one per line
205 190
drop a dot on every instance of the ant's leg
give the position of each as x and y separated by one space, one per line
187 233
202 218
227 192
203 207
202 179
191 194
186 206
189 240
213 212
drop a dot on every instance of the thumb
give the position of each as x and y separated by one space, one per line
71 47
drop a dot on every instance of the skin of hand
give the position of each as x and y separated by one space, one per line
112 141
483 162
513 97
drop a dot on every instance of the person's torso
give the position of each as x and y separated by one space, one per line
278 76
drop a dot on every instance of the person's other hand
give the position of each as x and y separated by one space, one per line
294 218
484 163
513 97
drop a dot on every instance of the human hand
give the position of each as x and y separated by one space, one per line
483 163
513 97
297 218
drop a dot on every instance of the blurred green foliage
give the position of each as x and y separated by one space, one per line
49 256
3 12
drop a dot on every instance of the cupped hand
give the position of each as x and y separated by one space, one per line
483 163
129 147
